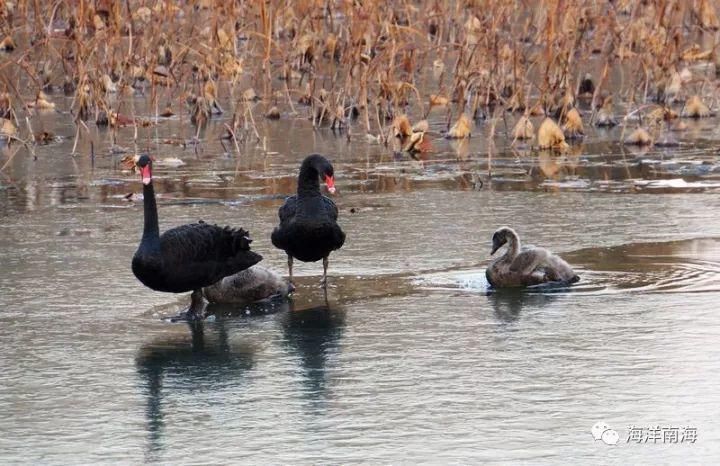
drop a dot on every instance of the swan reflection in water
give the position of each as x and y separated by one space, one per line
313 334
509 303
207 360
204 360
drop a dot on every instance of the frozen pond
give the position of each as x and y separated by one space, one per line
409 359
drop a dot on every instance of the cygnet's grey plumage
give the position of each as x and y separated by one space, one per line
525 266
253 284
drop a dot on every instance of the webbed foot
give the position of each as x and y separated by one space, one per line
195 312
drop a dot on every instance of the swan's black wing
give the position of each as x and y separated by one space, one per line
288 209
286 213
199 254
330 208
337 236
201 241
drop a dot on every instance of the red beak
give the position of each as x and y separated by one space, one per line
146 174
330 181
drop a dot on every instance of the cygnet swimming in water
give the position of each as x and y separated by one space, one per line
526 267
248 286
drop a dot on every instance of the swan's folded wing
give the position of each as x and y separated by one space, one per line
559 270
201 242
287 210
528 260
330 208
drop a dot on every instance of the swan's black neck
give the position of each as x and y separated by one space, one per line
151 231
308 181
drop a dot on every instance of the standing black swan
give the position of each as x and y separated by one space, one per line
308 228
188 257
526 267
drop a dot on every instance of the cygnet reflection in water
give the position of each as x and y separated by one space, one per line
509 303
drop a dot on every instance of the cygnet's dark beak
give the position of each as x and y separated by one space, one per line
496 245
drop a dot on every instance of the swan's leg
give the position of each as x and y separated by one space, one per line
197 331
195 312
290 262
323 282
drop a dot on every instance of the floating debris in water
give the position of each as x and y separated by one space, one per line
401 127
524 129
605 116
437 100
695 108
418 142
249 95
273 114
7 44
676 183
639 137
573 127
7 128
461 128
550 136
44 137
41 102
587 87
167 112
67 231
169 162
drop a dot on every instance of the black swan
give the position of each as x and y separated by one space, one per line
308 229
248 286
188 257
526 267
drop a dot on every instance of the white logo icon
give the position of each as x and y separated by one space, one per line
610 437
602 431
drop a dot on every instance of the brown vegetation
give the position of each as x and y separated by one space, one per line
371 62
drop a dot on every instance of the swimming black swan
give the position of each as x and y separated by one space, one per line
308 228
188 257
248 286
526 267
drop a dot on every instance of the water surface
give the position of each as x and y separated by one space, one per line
408 358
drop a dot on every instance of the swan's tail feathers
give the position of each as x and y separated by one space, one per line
240 238
235 242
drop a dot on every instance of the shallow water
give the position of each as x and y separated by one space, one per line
408 358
